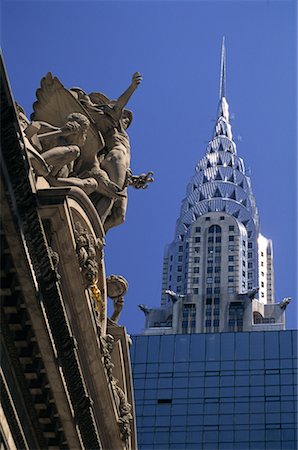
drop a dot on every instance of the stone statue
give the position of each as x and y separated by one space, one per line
112 120
80 140
117 287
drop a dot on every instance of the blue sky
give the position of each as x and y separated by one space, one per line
176 46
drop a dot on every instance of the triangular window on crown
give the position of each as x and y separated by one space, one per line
245 222
211 150
231 178
236 214
218 176
230 163
220 148
219 161
208 164
244 202
205 179
241 184
233 195
201 197
217 193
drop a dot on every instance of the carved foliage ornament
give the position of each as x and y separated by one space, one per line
86 250
123 407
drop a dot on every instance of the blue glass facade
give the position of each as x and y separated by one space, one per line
219 391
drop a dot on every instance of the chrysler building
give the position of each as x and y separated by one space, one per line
218 270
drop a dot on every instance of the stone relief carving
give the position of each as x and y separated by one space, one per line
123 406
117 287
88 261
76 139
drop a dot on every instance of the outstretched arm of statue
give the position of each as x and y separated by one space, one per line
124 98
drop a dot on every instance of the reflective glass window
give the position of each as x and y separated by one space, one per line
242 346
166 348
153 348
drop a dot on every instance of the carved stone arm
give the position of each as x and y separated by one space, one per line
124 98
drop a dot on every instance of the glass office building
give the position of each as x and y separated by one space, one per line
216 391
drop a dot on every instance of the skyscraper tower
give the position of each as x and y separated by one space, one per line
218 271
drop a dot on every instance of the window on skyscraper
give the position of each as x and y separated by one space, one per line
231 268
231 238
249 245
196 260
231 248
216 290
196 270
198 229
217 280
231 227
231 258
230 279
197 239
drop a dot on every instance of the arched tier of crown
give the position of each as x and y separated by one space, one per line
220 182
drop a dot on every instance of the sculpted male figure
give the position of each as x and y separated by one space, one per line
112 120
101 163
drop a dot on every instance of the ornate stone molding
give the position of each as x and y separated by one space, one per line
124 408
86 247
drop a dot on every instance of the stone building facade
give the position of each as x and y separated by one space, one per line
65 375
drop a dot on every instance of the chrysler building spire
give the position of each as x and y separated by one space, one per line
222 86
222 126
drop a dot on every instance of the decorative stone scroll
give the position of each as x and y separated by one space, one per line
117 286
